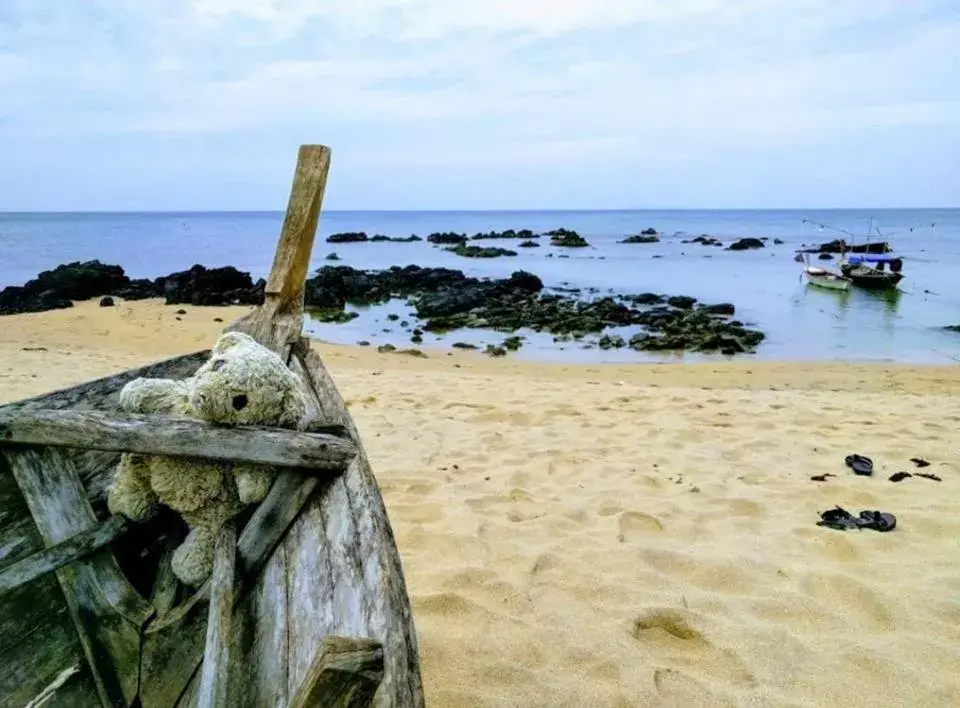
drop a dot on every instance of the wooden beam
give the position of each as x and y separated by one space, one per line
108 613
345 673
215 674
165 435
278 323
59 555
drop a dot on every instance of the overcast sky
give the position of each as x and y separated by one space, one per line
484 104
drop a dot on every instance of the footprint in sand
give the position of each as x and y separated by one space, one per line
659 622
678 689
637 526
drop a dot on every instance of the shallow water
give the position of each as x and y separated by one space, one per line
801 322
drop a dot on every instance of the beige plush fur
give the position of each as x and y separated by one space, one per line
243 383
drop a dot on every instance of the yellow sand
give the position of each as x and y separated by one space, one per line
628 535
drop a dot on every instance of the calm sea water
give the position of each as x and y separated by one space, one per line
801 322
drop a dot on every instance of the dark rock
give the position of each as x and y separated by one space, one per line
566 238
611 341
107 301
723 308
393 317
649 231
462 249
384 348
56 289
682 302
744 244
641 238
211 286
332 257
512 343
528 244
463 345
380 238
331 316
363 343
509 233
953 328
181 312
348 237
447 238
493 350
778 242
644 299
139 289
704 240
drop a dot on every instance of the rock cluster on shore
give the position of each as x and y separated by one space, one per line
443 299
58 288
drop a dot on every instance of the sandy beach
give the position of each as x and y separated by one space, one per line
627 535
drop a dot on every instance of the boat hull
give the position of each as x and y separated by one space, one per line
820 278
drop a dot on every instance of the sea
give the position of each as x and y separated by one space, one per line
801 321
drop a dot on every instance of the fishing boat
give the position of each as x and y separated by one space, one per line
307 603
868 271
822 277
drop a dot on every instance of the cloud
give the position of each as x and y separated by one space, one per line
637 87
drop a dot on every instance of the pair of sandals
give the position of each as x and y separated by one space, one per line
842 520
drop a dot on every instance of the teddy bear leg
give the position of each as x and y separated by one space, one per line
192 562
253 483
130 493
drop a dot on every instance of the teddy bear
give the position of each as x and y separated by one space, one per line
242 383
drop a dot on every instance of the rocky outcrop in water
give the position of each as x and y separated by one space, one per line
462 249
211 286
746 244
566 238
641 238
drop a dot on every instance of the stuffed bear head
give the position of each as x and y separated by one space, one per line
244 383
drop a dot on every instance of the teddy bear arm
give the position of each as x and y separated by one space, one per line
253 482
130 493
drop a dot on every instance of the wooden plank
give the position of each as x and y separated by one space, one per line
173 646
345 674
82 544
107 612
165 435
215 674
277 323
356 538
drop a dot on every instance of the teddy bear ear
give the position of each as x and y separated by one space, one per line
228 340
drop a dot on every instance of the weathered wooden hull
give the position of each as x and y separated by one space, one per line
336 571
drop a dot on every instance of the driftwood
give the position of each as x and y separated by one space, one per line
164 435
306 606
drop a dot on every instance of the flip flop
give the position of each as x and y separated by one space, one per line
919 462
860 465
899 476
842 520
878 520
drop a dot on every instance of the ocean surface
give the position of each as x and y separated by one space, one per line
801 322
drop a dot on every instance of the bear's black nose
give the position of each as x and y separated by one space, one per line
239 402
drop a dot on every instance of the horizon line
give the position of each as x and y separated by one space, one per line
14 212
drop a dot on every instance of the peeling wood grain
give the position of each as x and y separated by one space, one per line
164 435
215 673
107 612
345 674
378 607
49 559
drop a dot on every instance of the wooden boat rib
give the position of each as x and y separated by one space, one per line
307 604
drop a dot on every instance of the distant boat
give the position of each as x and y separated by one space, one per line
822 277
857 269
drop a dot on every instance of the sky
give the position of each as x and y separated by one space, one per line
480 104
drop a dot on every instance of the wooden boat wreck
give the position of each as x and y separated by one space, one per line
307 603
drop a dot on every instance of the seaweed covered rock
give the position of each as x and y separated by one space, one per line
566 238
59 287
462 249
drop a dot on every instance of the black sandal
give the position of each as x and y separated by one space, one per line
860 465
840 519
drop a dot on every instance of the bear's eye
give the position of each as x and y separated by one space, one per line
239 402
217 365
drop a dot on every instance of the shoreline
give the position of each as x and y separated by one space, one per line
87 341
